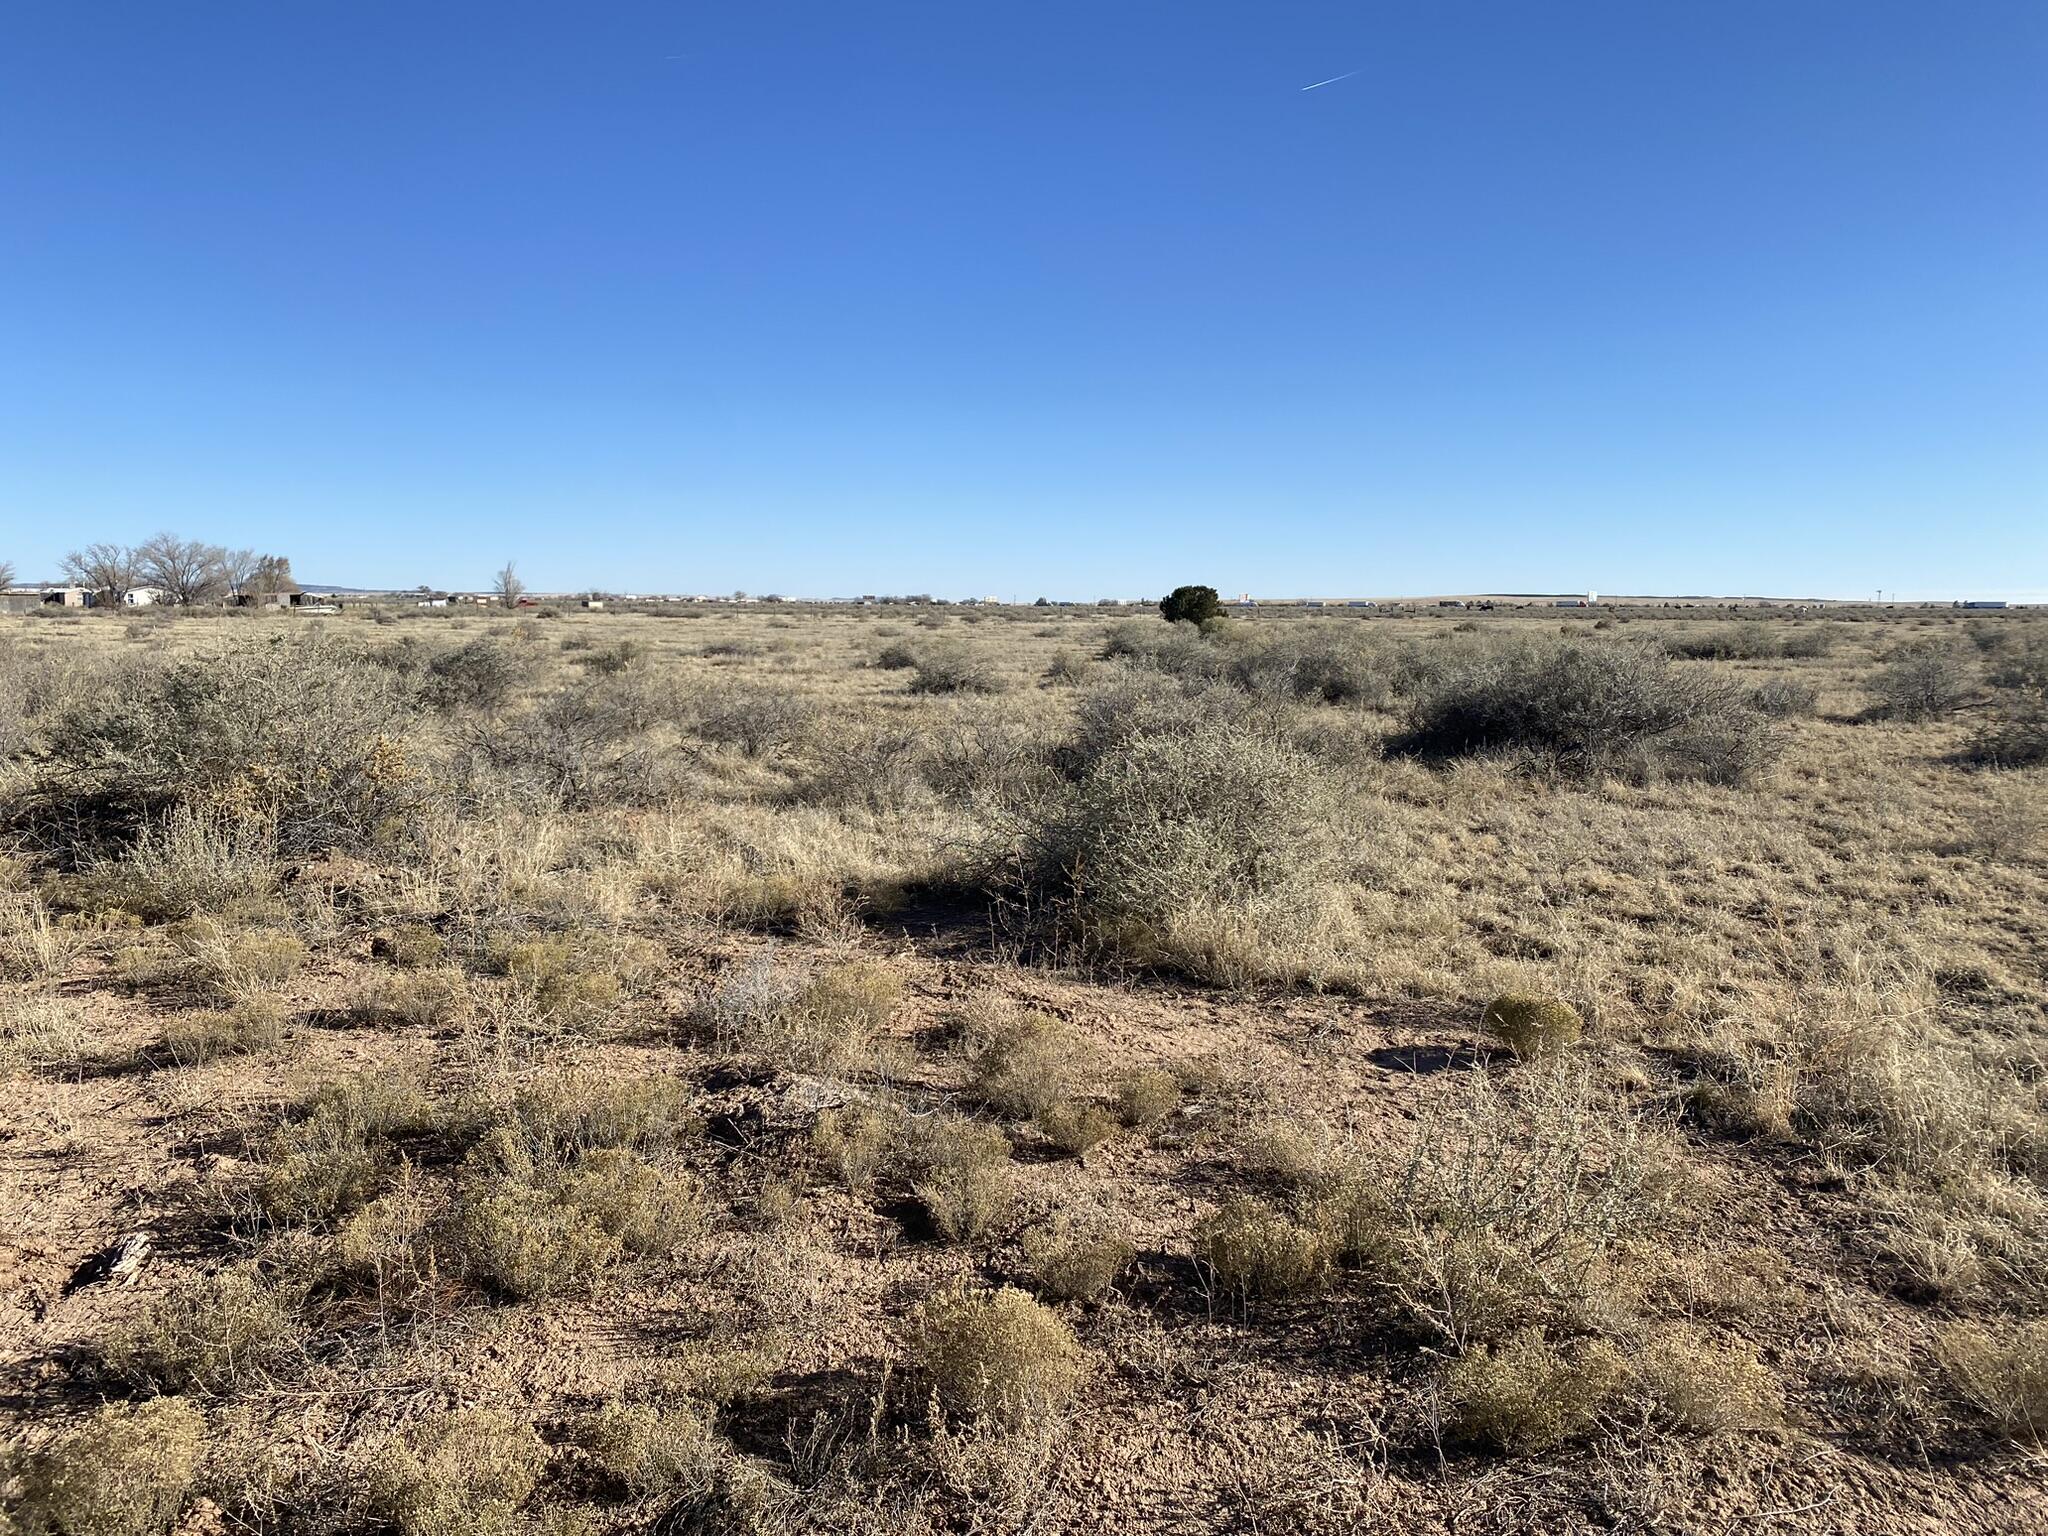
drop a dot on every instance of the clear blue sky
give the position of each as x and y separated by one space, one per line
1067 298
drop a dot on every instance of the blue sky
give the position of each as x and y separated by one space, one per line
1076 299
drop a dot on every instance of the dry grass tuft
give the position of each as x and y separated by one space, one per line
2003 1374
208 1333
1077 1258
1705 1383
463 1472
1024 1062
854 1142
1146 1098
1251 1249
642 1450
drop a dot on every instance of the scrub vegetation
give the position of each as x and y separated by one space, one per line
773 1068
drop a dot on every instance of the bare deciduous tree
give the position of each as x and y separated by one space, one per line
273 574
508 586
237 570
6 573
107 571
185 570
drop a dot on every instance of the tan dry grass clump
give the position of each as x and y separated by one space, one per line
1706 1383
1253 1249
643 1449
1077 1258
962 1174
827 1021
2003 1373
854 1142
208 1333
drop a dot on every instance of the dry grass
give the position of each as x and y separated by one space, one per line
2003 1373
623 1022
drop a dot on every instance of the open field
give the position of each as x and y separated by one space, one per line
940 1070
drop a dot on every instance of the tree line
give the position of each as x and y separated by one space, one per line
185 572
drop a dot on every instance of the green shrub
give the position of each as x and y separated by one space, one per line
1532 1026
1527 1395
1190 605
1250 1249
962 1175
209 1333
123 1472
993 1355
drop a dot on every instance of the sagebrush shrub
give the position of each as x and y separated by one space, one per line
125 1471
305 738
1074 1125
954 668
643 1449
853 1142
995 1355
1526 1395
1925 680
1147 1097
1586 708
1023 1061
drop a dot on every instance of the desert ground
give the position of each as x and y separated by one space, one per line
779 1068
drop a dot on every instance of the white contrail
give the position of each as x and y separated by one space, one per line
1331 81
